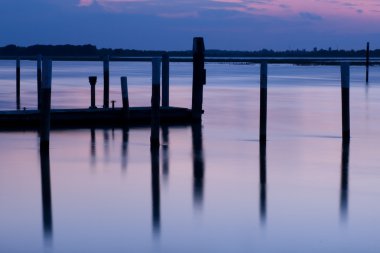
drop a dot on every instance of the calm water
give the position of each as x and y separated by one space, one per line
209 189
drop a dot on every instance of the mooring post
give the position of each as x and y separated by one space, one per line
155 127
367 64
165 79
263 100
106 76
18 84
46 101
92 80
345 83
124 95
199 78
39 81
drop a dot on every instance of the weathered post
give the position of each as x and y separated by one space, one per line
155 127
124 95
92 80
106 77
263 101
165 79
46 100
18 84
345 90
199 78
367 64
39 81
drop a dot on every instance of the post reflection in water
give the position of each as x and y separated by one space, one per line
93 147
124 148
165 153
263 182
155 167
106 144
344 180
198 164
47 213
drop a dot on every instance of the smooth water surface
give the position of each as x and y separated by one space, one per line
210 188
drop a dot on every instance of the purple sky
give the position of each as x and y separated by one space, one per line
171 24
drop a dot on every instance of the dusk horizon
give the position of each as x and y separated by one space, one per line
170 25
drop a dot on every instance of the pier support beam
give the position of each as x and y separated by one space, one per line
18 84
124 94
367 64
92 80
199 78
155 127
263 101
345 90
39 81
106 77
46 103
165 79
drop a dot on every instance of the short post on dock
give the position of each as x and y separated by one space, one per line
46 103
155 123
263 100
106 77
345 90
199 78
18 84
92 80
165 80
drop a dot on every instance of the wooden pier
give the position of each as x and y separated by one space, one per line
107 116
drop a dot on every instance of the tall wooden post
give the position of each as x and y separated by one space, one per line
92 80
199 78
39 81
46 101
18 84
345 90
165 79
106 77
367 64
263 101
124 94
155 127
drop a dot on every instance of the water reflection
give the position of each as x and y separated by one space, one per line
344 180
165 153
93 147
263 182
198 164
155 167
124 148
47 213
106 137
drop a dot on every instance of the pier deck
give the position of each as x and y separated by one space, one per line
71 118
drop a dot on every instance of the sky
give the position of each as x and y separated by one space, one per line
171 24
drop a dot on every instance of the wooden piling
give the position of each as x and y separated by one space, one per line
92 80
125 99
155 123
199 78
18 84
263 101
106 77
367 64
39 81
124 94
46 102
345 90
165 79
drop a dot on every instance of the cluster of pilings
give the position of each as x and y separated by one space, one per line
44 76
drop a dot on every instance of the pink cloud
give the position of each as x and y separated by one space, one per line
85 2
